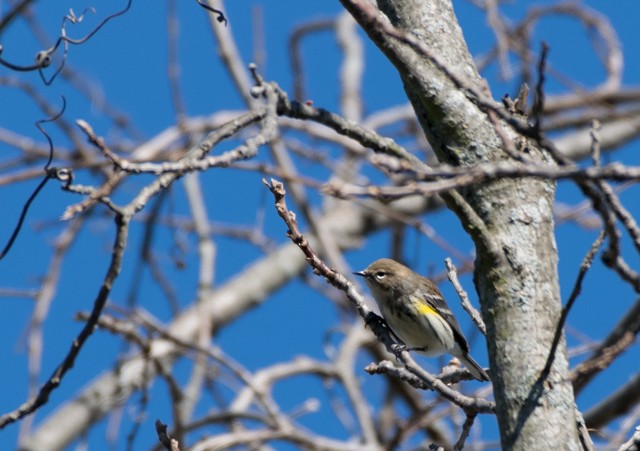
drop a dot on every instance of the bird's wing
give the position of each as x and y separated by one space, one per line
432 296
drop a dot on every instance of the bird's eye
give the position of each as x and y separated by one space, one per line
380 275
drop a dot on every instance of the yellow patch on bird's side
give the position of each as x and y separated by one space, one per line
425 309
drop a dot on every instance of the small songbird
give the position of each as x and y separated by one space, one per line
417 313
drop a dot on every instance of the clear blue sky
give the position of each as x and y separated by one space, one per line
126 63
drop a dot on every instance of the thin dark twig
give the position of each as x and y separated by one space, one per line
538 387
43 57
577 288
538 104
221 17
95 30
143 404
621 337
295 54
17 9
163 436
146 258
48 174
64 39
115 266
466 428
46 135
23 215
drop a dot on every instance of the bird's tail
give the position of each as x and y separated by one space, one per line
474 368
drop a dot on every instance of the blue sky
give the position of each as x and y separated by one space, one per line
126 63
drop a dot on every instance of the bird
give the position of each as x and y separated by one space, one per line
417 313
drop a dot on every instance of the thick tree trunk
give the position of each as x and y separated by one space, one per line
512 226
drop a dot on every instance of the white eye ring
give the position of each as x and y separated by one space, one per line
380 275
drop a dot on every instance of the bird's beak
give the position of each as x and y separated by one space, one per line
361 273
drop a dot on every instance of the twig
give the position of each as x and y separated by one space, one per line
583 432
538 104
122 231
619 403
49 173
452 273
595 142
577 288
169 443
633 443
466 428
621 337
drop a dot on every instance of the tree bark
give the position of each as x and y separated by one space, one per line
510 220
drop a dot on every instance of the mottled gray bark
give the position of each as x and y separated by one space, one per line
510 221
